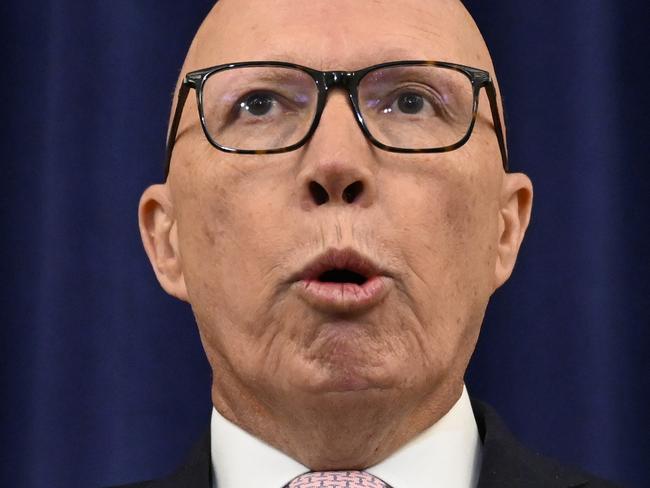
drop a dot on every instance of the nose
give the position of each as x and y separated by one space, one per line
337 164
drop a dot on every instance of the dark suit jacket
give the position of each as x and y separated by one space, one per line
506 463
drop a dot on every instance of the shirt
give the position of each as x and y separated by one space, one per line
446 455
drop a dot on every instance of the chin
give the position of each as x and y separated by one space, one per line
347 380
346 384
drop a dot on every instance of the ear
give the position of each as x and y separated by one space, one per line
159 232
514 216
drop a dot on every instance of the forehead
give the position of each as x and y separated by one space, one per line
337 34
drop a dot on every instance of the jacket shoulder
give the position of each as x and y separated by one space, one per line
195 473
507 463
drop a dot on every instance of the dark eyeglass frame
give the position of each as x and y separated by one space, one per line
348 80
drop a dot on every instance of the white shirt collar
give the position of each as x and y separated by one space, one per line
447 454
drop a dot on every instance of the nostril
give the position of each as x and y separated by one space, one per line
318 193
352 191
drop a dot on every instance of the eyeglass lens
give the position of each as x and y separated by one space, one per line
273 107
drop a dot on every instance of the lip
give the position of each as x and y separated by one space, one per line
342 298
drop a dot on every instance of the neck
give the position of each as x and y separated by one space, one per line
336 431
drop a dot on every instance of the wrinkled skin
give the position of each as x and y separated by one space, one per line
227 231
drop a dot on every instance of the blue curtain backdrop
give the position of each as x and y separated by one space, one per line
103 376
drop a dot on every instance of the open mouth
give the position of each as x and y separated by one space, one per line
340 266
342 281
342 276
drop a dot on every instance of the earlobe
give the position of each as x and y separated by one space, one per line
514 216
159 232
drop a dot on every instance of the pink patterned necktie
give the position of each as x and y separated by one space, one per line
337 479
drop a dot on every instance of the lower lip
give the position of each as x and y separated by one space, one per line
344 297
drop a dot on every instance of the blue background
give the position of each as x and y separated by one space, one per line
103 376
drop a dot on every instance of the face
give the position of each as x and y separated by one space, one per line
250 238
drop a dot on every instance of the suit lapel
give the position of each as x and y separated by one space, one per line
508 464
195 473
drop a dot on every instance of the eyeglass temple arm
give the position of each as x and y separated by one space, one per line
498 128
173 130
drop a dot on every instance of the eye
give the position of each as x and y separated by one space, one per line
418 102
258 104
410 103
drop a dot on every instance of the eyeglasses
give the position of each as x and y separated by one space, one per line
269 107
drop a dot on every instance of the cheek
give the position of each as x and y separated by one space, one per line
222 244
446 227
235 235
447 232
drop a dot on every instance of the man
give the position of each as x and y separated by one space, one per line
338 212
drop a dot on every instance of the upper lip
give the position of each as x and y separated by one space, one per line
347 258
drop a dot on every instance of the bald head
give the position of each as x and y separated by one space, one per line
338 34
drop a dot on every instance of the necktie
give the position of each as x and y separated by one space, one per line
337 479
